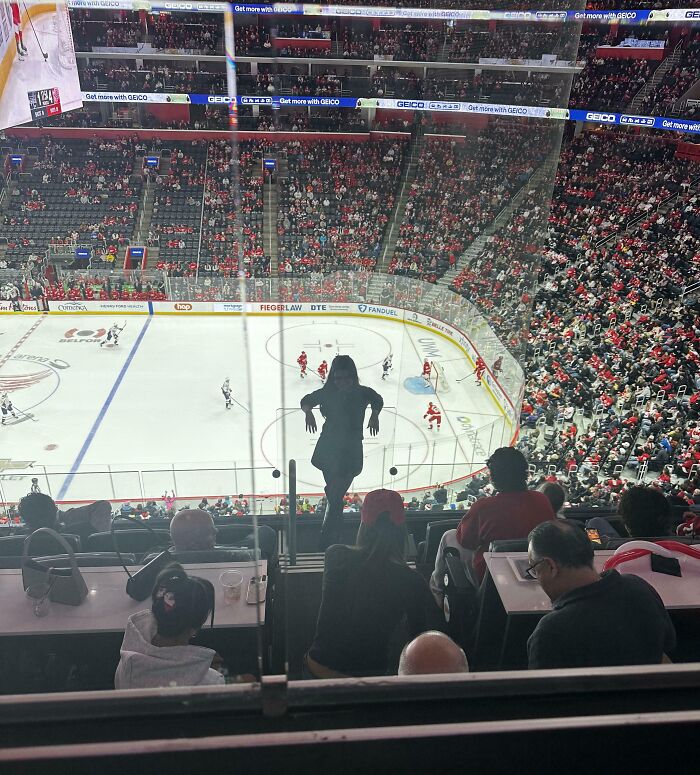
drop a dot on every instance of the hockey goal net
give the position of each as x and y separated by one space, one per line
438 379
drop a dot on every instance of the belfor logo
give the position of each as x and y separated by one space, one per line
183 306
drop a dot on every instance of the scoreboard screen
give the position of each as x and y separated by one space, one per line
44 103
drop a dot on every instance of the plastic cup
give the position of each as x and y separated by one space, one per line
38 596
232 582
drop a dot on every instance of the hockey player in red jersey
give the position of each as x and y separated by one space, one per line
480 369
302 360
17 23
433 414
322 371
427 368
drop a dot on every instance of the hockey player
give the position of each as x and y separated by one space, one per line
302 360
480 369
6 407
497 367
226 390
386 366
427 368
113 335
323 370
17 23
433 414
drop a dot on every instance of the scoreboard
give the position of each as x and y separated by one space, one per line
44 103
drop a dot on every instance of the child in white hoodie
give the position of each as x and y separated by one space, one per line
156 650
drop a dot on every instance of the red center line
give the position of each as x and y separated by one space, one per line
5 358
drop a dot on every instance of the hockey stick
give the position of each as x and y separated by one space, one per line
240 404
30 416
31 24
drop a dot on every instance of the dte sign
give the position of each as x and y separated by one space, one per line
318 307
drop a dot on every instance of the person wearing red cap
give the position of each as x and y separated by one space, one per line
338 453
367 591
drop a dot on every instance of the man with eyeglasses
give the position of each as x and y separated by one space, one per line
596 620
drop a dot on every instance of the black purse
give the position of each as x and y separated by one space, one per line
140 584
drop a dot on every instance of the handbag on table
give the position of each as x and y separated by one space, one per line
64 585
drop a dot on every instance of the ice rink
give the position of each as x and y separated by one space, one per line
148 415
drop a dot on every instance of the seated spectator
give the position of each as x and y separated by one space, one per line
511 513
38 510
555 494
432 653
367 591
156 649
193 530
645 513
596 620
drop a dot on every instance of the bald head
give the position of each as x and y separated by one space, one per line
432 652
192 530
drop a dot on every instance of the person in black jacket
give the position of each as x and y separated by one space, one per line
338 453
367 591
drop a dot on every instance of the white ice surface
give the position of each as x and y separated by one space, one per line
148 415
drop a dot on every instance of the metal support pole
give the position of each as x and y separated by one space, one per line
48 483
143 497
408 466
292 530
383 464
432 462
111 482
174 477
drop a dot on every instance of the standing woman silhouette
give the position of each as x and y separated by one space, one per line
338 453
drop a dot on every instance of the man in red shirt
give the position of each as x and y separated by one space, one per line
510 514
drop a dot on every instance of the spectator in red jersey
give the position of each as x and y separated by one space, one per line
510 514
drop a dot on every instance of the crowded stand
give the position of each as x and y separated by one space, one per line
220 224
177 207
676 81
125 29
335 204
607 84
613 379
458 190
81 194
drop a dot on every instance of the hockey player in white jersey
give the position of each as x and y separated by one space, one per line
6 407
226 390
113 335
386 366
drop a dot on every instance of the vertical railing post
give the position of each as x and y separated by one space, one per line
292 509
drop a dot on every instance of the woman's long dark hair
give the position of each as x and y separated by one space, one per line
342 363
383 545
339 363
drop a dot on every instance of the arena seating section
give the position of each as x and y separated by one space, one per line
336 203
82 193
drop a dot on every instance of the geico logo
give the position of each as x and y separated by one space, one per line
182 307
609 117
218 98
410 104
692 14
137 97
